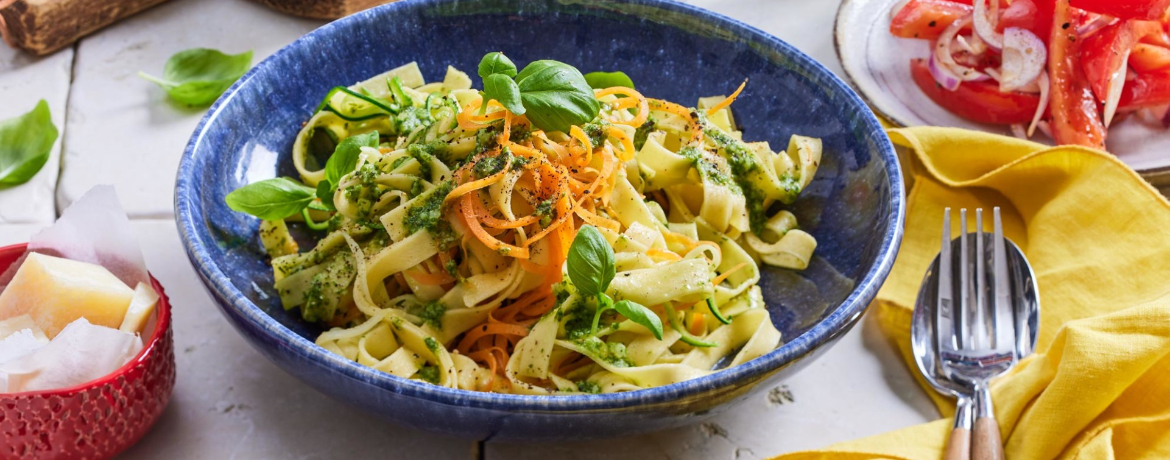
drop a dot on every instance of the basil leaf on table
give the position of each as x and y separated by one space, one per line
556 95
505 91
602 80
271 199
25 142
590 262
641 315
496 63
345 156
198 76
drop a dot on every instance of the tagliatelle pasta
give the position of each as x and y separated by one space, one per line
443 256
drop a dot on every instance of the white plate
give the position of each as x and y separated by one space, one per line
878 65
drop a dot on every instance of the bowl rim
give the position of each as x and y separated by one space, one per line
162 324
825 331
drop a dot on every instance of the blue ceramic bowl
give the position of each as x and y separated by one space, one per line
855 206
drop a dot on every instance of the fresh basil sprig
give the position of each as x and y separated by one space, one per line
591 269
25 142
553 95
271 199
198 76
343 161
602 80
495 62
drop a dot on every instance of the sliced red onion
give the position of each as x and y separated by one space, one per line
975 46
1024 57
1018 131
1166 117
985 22
946 65
1043 83
943 75
1116 82
898 8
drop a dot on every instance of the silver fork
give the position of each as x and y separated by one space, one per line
977 342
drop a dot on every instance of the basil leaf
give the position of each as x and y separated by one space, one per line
25 142
199 75
345 156
590 261
496 63
603 80
641 315
271 199
501 88
556 95
325 194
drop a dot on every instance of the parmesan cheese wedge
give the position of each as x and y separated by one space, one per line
141 306
54 292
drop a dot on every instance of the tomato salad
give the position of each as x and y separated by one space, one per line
1069 68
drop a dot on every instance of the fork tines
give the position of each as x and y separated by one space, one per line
981 330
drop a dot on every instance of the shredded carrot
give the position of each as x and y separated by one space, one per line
727 101
626 143
474 185
686 114
724 275
471 219
490 328
635 99
586 146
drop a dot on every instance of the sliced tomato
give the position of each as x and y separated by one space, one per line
1106 51
1146 90
976 101
1126 9
1032 15
1074 109
1148 58
926 18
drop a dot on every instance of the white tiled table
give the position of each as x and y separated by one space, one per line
229 401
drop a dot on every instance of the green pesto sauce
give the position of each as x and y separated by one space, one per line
424 155
429 373
612 353
643 132
491 165
520 133
432 344
427 214
398 162
708 168
431 313
544 209
596 132
586 386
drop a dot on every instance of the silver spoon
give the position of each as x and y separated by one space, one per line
923 337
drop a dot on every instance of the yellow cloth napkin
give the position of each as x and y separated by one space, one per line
1098 238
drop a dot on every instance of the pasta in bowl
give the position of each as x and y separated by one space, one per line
853 206
552 234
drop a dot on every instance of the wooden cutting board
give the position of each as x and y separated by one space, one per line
322 9
44 26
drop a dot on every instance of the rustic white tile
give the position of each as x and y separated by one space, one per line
859 388
804 24
24 80
122 129
231 402
18 233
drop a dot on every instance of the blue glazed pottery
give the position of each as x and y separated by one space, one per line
854 207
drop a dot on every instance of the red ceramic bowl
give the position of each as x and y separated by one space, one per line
97 419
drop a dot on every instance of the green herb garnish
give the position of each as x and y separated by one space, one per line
602 80
553 95
199 75
271 199
591 269
25 142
